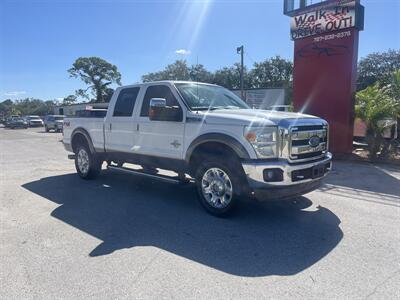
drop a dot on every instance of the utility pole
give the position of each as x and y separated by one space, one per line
241 51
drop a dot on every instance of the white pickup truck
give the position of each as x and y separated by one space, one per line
207 132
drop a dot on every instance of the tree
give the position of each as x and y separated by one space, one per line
199 73
377 67
5 108
97 73
374 105
273 72
230 77
178 70
69 100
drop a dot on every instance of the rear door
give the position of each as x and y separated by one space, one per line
120 128
160 138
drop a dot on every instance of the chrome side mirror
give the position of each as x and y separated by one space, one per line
158 102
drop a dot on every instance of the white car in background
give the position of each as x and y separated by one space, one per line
34 121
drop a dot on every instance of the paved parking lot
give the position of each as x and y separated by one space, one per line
123 236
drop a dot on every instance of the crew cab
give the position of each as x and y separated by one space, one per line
208 133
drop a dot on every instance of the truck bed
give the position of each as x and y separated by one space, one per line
94 125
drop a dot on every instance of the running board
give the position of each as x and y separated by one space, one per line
137 172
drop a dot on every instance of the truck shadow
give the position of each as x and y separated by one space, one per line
128 211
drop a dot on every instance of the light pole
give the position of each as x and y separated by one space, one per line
241 51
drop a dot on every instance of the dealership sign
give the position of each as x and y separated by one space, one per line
327 18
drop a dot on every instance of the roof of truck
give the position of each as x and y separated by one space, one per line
168 82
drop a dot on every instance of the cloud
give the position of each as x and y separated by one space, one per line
14 93
183 51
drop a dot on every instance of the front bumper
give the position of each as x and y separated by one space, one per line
295 179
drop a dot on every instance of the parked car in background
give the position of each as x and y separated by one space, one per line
34 121
18 123
9 119
54 122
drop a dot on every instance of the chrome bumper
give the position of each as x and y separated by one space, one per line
255 172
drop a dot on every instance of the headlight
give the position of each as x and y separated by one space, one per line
263 140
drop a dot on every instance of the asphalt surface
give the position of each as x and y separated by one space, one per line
122 236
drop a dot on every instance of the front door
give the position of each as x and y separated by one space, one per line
160 138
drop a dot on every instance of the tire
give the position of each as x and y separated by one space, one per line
220 184
87 165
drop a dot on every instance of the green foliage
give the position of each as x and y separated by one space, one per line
229 77
394 88
377 67
199 73
71 99
179 70
28 106
97 73
274 72
375 104
5 108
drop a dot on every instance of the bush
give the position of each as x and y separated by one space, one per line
374 105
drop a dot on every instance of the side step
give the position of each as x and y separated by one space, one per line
137 172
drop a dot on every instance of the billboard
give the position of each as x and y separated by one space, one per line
327 18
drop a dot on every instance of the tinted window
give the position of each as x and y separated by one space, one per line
126 102
157 91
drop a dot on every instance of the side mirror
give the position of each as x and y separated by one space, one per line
159 111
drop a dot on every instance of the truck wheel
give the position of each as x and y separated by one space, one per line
219 185
87 164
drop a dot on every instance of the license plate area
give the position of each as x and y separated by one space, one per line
310 173
318 171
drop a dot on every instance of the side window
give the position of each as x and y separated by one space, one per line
126 102
158 91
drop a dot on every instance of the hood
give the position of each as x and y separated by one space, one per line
249 117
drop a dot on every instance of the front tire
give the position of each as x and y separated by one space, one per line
219 185
87 165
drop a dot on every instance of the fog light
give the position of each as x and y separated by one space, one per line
273 175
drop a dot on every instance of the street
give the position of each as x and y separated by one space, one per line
128 237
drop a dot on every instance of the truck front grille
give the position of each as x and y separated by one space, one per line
308 142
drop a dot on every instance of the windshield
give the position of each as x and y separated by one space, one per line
33 117
209 97
59 118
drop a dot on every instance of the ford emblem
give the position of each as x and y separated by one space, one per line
314 141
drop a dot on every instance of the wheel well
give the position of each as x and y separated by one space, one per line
210 149
78 139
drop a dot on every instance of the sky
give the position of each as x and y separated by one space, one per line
40 39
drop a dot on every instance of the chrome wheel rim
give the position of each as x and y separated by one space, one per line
217 188
83 161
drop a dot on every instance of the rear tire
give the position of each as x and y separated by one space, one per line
220 184
87 164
